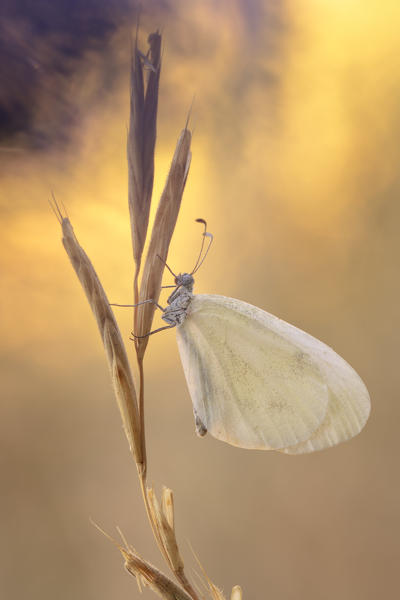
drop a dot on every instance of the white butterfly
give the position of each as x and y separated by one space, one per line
259 382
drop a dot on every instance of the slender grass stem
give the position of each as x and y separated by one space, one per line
141 415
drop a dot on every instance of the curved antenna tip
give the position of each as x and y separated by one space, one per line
202 221
200 259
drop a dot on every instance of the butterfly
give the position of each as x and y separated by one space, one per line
258 382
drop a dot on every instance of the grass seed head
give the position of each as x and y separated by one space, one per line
142 138
236 593
163 228
115 350
166 534
146 574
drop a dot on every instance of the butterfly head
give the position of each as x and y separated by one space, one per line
185 280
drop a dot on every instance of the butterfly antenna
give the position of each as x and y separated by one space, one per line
163 261
200 260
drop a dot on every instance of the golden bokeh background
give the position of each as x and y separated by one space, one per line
295 166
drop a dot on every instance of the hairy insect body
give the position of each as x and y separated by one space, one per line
179 300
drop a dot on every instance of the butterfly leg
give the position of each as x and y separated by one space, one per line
139 304
138 337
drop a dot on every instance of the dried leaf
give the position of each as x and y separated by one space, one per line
121 375
163 228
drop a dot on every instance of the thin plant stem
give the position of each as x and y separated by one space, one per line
136 296
141 414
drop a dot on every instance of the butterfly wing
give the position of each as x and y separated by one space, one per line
348 407
259 382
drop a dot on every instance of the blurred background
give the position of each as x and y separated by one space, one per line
295 167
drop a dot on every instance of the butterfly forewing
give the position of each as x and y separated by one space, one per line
253 378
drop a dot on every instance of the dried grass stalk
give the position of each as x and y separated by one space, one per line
163 229
115 350
140 150
142 139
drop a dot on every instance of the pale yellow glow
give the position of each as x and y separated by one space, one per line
298 150
295 167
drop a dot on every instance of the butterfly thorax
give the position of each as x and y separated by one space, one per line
179 300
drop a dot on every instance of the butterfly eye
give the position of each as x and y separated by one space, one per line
176 281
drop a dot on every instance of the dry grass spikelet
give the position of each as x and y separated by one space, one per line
115 350
149 575
163 228
236 593
164 522
141 139
144 572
